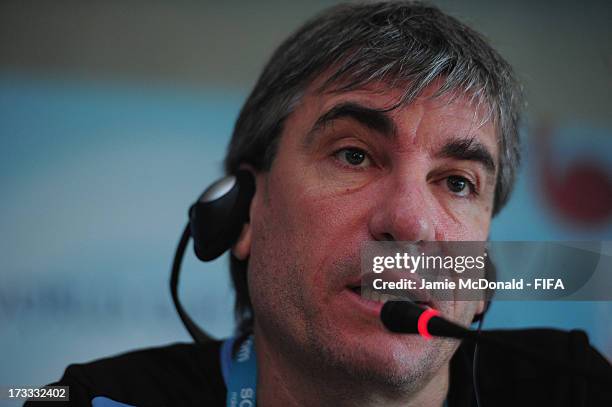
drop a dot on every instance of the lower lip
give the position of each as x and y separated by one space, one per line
368 306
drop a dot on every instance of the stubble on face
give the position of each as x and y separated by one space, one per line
307 232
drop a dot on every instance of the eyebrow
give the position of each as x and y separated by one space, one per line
468 149
374 119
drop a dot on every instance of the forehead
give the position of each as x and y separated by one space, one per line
429 119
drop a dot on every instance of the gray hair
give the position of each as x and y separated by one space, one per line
407 45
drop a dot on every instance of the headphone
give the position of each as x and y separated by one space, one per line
215 222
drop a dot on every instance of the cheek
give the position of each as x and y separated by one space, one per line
466 219
464 225
313 214
274 279
287 230
310 226
299 233
269 264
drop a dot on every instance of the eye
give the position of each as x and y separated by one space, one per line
460 186
353 157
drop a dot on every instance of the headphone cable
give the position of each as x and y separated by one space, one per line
475 364
195 331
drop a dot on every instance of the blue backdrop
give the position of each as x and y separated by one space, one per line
96 179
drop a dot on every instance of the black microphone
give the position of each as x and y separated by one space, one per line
406 317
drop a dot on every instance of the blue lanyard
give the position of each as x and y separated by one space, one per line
239 372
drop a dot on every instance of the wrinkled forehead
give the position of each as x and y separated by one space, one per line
456 111
395 94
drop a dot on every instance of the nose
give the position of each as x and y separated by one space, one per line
404 212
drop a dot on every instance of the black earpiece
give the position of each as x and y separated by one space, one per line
217 218
215 223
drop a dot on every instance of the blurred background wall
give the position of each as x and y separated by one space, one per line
115 115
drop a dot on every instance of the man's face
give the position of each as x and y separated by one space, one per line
344 174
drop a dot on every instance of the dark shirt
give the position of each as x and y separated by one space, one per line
190 375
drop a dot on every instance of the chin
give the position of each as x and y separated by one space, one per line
379 357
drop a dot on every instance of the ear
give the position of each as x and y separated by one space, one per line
242 248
